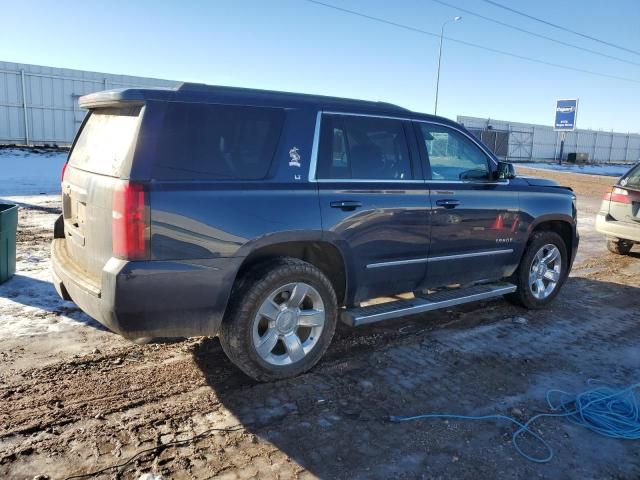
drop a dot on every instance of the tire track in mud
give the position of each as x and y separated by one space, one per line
97 409
99 385
158 385
146 395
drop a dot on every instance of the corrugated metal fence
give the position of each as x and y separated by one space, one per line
527 142
39 105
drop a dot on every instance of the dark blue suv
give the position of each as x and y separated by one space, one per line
263 217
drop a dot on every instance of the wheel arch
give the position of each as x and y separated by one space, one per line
325 256
563 226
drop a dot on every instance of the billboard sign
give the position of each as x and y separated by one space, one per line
566 114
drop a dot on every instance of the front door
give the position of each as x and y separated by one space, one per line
475 224
374 203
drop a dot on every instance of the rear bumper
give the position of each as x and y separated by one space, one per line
613 228
149 299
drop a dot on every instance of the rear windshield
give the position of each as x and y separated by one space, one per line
217 142
105 140
632 179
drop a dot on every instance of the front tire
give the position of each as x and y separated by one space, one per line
619 246
281 320
542 271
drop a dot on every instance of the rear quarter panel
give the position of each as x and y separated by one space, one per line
212 219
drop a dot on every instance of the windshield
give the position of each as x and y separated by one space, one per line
632 178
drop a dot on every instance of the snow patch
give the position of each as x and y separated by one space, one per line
29 303
30 172
589 169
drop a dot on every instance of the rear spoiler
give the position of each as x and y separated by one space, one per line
124 96
139 95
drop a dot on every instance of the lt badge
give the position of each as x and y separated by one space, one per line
295 157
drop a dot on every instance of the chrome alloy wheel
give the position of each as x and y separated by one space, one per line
288 324
545 271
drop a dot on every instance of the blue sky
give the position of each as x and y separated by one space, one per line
298 46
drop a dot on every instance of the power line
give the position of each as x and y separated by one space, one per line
469 44
539 35
564 29
377 19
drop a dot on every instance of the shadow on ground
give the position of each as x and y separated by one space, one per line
41 294
333 421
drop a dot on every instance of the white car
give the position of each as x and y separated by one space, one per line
619 215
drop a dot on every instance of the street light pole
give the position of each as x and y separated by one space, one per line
454 19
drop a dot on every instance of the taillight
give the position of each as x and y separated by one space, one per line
618 195
64 169
130 226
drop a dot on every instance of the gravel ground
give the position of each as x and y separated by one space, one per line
75 398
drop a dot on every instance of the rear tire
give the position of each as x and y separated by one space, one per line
542 271
281 320
619 246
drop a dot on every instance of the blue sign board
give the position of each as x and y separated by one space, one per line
566 112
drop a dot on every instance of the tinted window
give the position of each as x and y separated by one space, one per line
363 148
201 141
105 140
632 179
452 155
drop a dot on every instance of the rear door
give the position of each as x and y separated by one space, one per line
373 202
475 220
101 155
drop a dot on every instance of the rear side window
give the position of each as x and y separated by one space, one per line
105 140
632 179
363 148
217 142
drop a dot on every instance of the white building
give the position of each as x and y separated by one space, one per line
39 105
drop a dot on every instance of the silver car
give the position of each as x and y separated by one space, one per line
619 215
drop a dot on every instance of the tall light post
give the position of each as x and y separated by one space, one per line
454 19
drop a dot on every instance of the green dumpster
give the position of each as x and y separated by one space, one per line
8 230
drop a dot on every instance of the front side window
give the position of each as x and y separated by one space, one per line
363 148
452 156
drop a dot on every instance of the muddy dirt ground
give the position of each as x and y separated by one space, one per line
75 398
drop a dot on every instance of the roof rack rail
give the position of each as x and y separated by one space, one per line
204 88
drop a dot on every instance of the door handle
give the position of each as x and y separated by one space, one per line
346 205
448 202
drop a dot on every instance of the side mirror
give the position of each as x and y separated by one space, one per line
506 171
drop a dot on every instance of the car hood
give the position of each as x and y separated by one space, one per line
543 182
540 182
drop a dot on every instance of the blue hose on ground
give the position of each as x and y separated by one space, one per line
604 410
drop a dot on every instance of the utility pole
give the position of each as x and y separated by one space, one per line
454 19
562 136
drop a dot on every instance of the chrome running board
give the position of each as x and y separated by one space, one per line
425 303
